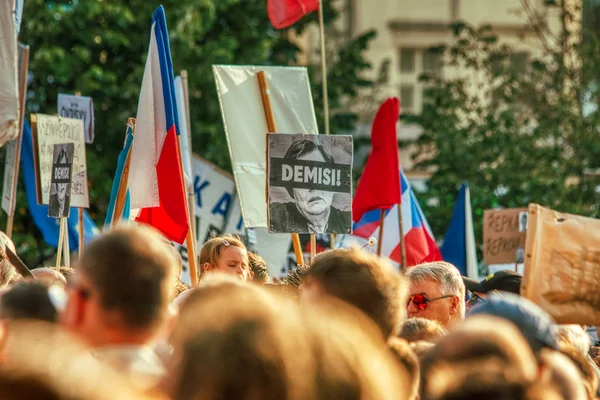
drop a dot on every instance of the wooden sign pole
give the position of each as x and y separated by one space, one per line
124 183
81 228
403 264
61 236
22 99
266 100
66 248
380 239
191 197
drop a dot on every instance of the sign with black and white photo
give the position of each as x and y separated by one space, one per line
47 131
60 185
309 183
78 107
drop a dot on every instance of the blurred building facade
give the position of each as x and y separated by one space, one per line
406 29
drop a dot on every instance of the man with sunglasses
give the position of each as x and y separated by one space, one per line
436 292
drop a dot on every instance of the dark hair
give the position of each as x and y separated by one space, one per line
259 267
134 272
27 300
305 146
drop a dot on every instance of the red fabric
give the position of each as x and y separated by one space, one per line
379 186
284 13
171 217
420 248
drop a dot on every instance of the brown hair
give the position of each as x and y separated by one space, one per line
211 250
404 354
259 266
133 271
584 366
240 342
364 281
415 329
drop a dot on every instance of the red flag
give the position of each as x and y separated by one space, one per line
284 13
379 186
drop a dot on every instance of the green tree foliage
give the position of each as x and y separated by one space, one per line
515 135
98 48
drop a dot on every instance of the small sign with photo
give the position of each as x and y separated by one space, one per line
60 184
309 183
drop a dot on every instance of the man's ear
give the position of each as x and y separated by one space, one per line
454 305
250 274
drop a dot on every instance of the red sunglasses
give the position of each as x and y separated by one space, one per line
420 301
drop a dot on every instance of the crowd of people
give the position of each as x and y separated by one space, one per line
121 325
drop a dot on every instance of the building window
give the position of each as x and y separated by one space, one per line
428 95
407 97
432 62
407 61
518 62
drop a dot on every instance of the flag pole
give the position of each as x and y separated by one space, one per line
266 101
325 97
122 193
403 264
380 240
22 89
191 196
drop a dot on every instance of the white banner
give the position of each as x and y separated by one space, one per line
9 90
78 107
246 126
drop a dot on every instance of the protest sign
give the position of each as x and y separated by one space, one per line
60 184
504 235
246 126
310 183
78 107
562 265
9 81
48 131
13 148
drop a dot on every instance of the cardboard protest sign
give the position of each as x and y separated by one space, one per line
246 126
50 130
504 235
562 265
310 183
60 184
78 107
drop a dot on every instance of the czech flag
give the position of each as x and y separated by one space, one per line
418 239
156 188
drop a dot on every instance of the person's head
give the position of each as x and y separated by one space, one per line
294 279
236 341
226 254
560 371
49 276
404 354
534 323
501 281
575 336
362 280
436 291
62 191
27 300
416 329
480 350
8 273
259 268
310 202
122 286
584 367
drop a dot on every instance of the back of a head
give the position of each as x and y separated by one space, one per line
238 341
27 300
485 350
364 281
534 323
403 353
352 360
134 273
49 276
574 335
417 329
559 371
259 267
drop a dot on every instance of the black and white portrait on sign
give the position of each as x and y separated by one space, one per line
310 183
523 221
60 184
